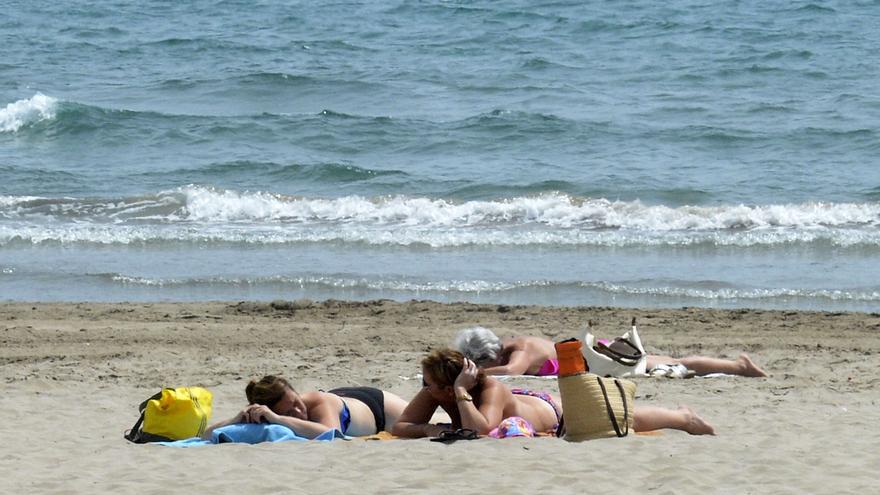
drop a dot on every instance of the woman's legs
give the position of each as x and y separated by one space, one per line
702 365
647 418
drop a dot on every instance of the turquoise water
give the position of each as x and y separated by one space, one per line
630 153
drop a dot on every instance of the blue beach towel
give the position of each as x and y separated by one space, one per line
253 433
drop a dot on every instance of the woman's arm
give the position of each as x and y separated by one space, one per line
414 421
517 364
305 428
489 414
491 401
241 417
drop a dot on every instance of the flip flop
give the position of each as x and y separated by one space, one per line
672 371
455 435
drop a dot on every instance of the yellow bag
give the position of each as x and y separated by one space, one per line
172 414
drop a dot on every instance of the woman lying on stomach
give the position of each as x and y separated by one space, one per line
355 411
479 402
526 355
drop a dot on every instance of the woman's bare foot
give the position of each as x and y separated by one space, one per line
694 424
749 368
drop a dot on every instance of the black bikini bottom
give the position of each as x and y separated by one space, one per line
372 397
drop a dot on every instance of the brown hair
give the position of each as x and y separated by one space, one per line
267 391
444 366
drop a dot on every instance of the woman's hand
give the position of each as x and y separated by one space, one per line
257 413
467 379
241 417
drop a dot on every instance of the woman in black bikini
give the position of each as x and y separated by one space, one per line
355 411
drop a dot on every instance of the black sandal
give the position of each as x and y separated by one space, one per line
451 436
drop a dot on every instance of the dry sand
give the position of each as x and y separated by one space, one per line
73 375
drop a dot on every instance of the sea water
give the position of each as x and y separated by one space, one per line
635 153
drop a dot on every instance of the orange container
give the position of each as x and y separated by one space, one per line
571 360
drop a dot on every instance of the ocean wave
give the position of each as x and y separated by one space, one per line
414 237
487 287
747 294
489 190
71 117
812 8
724 136
26 112
332 173
542 64
328 281
501 120
554 210
200 213
54 118
199 44
74 117
8 201
24 176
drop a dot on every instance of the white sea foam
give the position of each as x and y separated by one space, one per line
485 287
730 293
547 212
25 112
475 286
199 214
6 201
293 234
552 210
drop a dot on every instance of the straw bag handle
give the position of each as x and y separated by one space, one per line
611 411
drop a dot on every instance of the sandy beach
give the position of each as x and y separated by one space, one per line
73 375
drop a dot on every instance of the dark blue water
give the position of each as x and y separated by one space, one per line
684 153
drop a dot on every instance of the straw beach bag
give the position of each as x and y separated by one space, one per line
594 406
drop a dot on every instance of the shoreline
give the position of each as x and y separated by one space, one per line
75 372
629 302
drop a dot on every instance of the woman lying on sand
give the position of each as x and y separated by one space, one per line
479 402
355 411
537 356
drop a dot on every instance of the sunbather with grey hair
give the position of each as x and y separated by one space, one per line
525 355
